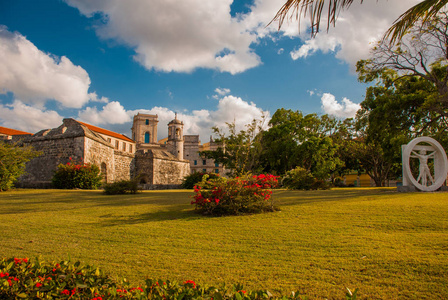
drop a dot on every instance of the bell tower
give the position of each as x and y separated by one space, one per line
175 143
144 130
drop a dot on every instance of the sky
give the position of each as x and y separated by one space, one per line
211 62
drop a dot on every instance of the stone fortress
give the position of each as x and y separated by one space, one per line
158 164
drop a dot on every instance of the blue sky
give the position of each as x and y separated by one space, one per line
102 61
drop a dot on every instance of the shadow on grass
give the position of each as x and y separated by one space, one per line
26 201
292 197
158 216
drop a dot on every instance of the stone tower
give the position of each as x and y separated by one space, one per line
175 143
144 129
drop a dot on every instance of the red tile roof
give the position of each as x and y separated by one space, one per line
9 131
106 132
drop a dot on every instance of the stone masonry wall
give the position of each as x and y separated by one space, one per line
100 153
144 168
124 165
169 172
40 170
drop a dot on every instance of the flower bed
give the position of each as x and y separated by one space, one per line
240 195
24 279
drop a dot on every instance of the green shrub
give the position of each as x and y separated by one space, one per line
240 195
298 179
121 187
192 179
24 279
77 176
12 163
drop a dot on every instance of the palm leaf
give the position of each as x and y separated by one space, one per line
314 8
421 11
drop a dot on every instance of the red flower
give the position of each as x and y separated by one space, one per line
10 282
4 274
190 282
38 284
65 292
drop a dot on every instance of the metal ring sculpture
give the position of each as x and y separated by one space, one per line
413 150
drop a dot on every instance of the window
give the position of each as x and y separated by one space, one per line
130 148
204 162
204 170
217 171
124 146
109 140
216 164
147 136
147 122
195 162
117 144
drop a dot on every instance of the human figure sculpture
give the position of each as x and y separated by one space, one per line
424 148
424 171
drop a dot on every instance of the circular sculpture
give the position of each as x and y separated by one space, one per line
427 180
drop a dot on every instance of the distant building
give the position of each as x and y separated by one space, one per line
12 135
157 165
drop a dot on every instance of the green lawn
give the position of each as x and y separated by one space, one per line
389 245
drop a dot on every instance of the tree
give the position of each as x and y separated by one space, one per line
423 54
240 151
395 110
421 11
297 140
12 163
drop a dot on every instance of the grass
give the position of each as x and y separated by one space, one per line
389 245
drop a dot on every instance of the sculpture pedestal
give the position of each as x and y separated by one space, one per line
406 189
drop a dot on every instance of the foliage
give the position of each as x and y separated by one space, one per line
77 176
239 151
192 179
155 235
424 10
423 55
235 196
12 163
302 179
21 278
121 187
297 140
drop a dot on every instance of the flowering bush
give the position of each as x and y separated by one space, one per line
77 176
302 179
240 195
21 278
192 179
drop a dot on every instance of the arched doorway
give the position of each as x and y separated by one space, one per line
104 172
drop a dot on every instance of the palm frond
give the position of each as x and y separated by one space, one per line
299 8
421 11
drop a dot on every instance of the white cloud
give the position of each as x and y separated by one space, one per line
35 77
355 30
330 106
311 46
183 36
229 109
221 91
177 36
27 118
94 98
111 113
280 51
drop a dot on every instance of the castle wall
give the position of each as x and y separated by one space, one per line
102 155
160 168
169 171
40 170
124 165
